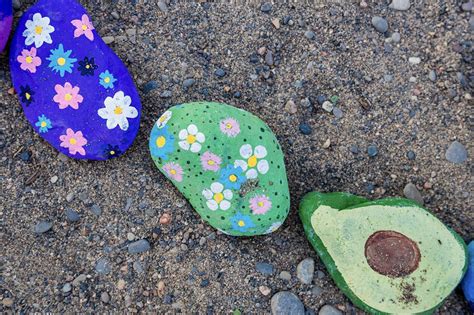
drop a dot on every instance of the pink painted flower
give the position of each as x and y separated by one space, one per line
210 161
67 96
74 141
174 171
230 127
28 60
260 204
83 27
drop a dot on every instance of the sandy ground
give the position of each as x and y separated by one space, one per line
385 101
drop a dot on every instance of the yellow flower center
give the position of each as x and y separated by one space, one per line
252 161
228 126
38 30
218 197
233 178
211 162
43 124
112 152
68 97
29 59
160 141
84 27
191 139
162 118
118 110
241 223
107 80
72 141
88 66
28 96
61 61
260 203
173 171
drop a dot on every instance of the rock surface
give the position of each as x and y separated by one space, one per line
75 92
380 24
286 303
411 192
305 270
329 310
468 281
6 20
456 153
227 163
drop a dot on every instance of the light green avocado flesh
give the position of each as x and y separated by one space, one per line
344 234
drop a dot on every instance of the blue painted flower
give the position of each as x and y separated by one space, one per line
241 223
107 79
60 60
232 177
43 123
161 143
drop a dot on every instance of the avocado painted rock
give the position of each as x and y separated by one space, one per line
75 91
227 163
468 281
388 256
6 19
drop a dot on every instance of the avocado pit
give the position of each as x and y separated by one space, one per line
392 254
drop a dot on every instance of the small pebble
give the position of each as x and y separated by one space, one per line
380 24
150 86
72 215
102 266
411 155
372 150
16 4
329 310
261 51
306 102
104 297
290 107
266 7
354 149
79 279
411 192
264 268
43 227
131 236
188 83
396 37
54 179
162 6
305 129
286 302
269 58
138 247
121 284
67 288
337 112
204 283
220 72
400 5
264 290
321 99
327 144
432 75
328 106
25 156
305 270
456 153
166 94
309 34
414 60
285 275
95 209
276 23
467 6
165 219
108 39
7 302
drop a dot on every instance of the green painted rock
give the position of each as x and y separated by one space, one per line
227 163
388 256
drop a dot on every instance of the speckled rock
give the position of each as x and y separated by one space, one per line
75 92
6 19
456 153
286 303
227 163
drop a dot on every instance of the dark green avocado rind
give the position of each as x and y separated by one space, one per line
345 201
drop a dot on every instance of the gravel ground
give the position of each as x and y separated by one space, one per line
404 112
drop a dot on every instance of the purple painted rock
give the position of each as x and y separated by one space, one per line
6 19
75 91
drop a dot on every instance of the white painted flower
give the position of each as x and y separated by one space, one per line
163 120
275 226
38 31
191 139
254 162
117 110
217 197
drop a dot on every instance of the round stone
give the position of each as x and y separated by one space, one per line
6 19
227 163
456 153
75 92
380 24
305 270
392 254
372 150
286 302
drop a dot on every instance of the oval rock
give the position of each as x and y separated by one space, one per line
6 18
227 163
75 92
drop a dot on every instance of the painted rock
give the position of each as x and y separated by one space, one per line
468 281
227 163
6 19
388 256
75 91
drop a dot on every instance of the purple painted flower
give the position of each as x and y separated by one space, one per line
83 27
74 141
210 161
174 171
260 204
28 60
230 127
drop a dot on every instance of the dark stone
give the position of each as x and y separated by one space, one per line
305 129
265 268
266 7
43 227
372 150
220 72
150 86
204 283
354 149
139 247
321 99
95 209
25 156
188 83
411 155
72 215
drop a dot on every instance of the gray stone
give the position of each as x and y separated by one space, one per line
138 267
432 75
139 247
67 288
380 24
220 72
400 5
309 34
43 227
396 37
411 192
305 102
16 4
467 6
337 112
166 94
286 303
102 266
456 153
72 215
414 60
188 83
79 279
265 268
329 310
305 270
285 275
150 86
266 7
372 150
269 58
70 197
108 39
104 297
316 291
328 106
162 6
95 209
